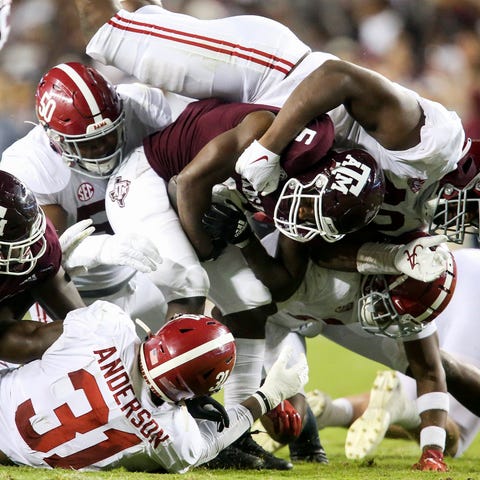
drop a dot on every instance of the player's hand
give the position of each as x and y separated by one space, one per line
286 422
71 239
431 460
207 408
131 250
127 249
283 382
225 221
419 260
260 167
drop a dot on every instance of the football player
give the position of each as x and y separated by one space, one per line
86 127
30 270
392 398
100 398
228 58
202 144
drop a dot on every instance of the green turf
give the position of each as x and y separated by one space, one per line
337 372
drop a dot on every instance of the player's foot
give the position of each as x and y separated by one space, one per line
318 402
317 455
270 462
384 407
234 459
307 447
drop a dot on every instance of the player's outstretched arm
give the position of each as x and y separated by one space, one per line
386 111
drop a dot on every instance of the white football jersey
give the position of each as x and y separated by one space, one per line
42 169
85 406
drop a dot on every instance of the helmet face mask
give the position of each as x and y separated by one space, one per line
83 117
22 227
190 356
343 198
455 212
399 306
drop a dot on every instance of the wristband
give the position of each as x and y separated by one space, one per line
433 401
433 435
263 401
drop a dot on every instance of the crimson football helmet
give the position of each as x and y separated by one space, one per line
83 117
344 197
456 209
22 225
4 21
398 305
191 355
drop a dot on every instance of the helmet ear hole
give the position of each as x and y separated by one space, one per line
191 355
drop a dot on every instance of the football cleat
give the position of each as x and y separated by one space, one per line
231 458
385 407
270 462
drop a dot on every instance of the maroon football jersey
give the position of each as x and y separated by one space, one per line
170 150
47 266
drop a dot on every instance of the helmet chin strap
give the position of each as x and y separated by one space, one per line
144 326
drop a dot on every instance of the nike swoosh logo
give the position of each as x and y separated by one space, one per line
261 158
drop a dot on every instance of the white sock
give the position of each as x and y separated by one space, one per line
246 376
337 413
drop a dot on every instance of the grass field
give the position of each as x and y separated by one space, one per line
337 372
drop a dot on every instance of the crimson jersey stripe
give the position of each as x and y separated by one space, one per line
219 46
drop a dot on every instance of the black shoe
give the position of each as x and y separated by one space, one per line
307 447
316 456
270 462
233 458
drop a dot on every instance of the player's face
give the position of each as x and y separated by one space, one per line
306 212
99 147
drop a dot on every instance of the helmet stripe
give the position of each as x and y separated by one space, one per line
191 354
84 89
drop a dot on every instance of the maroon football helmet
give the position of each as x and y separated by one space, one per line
83 116
22 224
191 355
4 21
398 305
456 209
345 197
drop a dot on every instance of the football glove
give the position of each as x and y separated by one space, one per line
283 382
286 421
260 167
128 249
207 408
227 222
418 260
70 239
431 460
